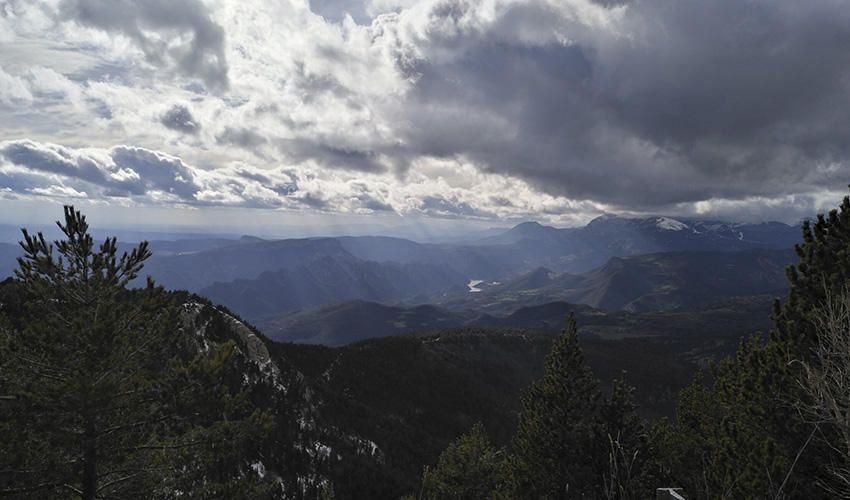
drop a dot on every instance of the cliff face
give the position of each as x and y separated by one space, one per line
305 455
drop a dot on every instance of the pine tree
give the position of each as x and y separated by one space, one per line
824 268
633 467
755 442
470 468
556 447
823 271
722 443
101 394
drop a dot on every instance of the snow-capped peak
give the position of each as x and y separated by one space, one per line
669 224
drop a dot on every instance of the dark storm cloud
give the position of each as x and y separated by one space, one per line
331 156
158 28
157 171
137 173
124 171
673 102
442 206
64 162
179 118
242 137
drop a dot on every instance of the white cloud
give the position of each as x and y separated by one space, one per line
60 192
13 90
148 178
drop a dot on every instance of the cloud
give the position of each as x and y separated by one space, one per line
243 137
134 173
13 90
448 108
175 34
642 106
179 118
61 192
122 174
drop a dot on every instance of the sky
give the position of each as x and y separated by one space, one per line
235 113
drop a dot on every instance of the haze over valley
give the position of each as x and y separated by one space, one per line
635 265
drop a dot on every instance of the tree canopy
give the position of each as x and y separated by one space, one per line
102 393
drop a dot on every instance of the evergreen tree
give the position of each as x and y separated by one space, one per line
101 395
755 441
633 467
556 451
470 468
823 269
721 444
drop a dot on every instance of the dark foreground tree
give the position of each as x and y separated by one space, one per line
572 443
100 394
745 436
632 469
825 380
470 468
554 446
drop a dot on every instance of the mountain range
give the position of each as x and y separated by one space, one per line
331 279
342 289
196 264
645 282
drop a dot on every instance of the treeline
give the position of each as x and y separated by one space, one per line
771 422
570 442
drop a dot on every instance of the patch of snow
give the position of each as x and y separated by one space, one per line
607 216
669 224
259 468
367 447
473 285
323 450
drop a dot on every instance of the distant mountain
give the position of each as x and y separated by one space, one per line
580 249
194 265
245 259
331 279
659 281
629 236
533 263
529 231
181 247
670 280
386 249
197 263
532 280
355 320
473 261
9 254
